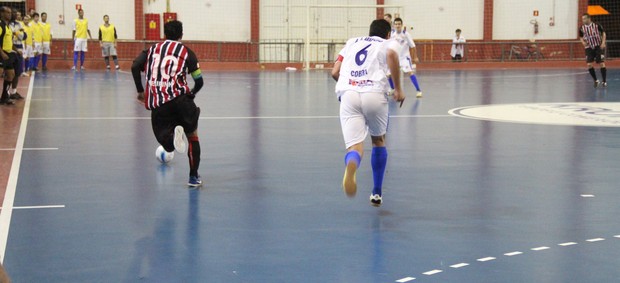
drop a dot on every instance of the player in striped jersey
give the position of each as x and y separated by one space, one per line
594 40
362 90
174 115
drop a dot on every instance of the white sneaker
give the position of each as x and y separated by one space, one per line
179 139
419 95
118 67
73 68
375 200
107 67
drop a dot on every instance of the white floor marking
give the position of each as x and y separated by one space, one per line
486 259
587 196
567 244
459 265
11 186
30 148
406 279
513 253
595 240
432 272
540 248
38 207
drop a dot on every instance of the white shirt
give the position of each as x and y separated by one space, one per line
405 41
457 46
364 64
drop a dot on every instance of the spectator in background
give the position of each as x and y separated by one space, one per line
47 40
107 40
37 38
80 30
19 35
28 47
458 47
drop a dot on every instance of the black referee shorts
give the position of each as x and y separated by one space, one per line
11 63
595 54
181 111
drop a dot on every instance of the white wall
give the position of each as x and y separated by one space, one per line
438 19
121 14
511 19
213 20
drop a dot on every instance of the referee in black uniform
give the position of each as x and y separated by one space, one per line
593 38
9 56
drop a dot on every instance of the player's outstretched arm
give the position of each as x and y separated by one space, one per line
336 69
136 68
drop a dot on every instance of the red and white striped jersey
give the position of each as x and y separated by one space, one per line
592 34
167 66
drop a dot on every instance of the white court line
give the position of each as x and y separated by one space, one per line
38 206
459 265
567 244
513 253
595 240
233 117
11 186
406 279
432 272
30 148
486 259
540 248
587 196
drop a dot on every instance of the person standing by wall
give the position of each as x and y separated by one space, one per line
107 40
594 40
458 47
47 40
80 31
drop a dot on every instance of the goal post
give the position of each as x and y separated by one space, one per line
329 26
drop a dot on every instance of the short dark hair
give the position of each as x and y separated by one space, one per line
173 30
458 30
398 20
44 13
35 14
380 28
586 14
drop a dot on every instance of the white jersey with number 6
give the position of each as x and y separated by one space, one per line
364 65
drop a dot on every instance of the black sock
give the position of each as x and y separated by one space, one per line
194 155
592 73
604 73
5 90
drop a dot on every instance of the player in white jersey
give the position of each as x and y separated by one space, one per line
362 89
406 53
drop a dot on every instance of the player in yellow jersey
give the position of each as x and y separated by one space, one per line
9 56
37 39
107 40
28 49
47 40
80 30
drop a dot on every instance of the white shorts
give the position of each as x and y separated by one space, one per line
81 44
46 48
28 51
362 114
37 48
108 49
405 66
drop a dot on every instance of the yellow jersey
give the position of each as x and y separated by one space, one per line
7 39
107 34
28 31
47 31
81 28
37 32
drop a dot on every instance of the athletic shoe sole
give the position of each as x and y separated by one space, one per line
375 200
179 139
349 184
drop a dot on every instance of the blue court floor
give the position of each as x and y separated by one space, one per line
465 200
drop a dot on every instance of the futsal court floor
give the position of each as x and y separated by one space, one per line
465 200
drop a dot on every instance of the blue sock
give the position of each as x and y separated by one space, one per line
44 61
75 57
352 156
82 55
378 160
26 64
36 61
391 82
414 80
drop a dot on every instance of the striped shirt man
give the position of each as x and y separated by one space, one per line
592 34
594 40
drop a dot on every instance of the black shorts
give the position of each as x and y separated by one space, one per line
595 54
181 111
11 63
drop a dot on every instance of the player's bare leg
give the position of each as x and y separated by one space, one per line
352 161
